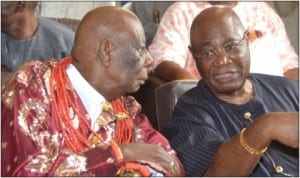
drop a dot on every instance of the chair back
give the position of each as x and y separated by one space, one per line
166 97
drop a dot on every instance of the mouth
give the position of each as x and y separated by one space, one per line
226 76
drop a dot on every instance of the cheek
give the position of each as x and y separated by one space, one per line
131 75
203 69
244 62
245 56
8 24
137 68
138 73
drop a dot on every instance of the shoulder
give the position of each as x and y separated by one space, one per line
275 84
54 28
32 68
31 77
272 79
54 34
276 92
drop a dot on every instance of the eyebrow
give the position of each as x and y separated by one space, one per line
208 43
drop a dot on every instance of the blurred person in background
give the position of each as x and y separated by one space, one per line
25 36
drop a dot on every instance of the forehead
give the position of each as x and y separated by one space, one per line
134 29
214 30
136 38
140 35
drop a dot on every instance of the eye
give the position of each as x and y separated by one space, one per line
231 46
208 53
142 51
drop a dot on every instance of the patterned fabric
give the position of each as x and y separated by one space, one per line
270 48
201 123
31 135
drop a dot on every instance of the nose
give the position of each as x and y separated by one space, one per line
149 61
222 58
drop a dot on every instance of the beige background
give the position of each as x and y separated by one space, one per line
288 11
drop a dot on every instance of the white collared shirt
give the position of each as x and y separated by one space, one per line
91 99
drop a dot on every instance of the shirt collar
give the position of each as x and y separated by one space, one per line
90 97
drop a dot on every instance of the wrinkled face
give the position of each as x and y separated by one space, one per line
133 61
222 56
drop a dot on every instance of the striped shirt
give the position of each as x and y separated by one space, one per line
201 123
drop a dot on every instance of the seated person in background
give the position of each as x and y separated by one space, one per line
71 118
24 36
270 47
149 13
233 123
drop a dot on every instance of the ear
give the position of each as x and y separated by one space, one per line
20 6
105 51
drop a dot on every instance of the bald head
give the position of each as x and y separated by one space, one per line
214 20
109 51
105 19
108 22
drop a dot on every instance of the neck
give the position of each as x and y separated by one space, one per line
23 29
241 96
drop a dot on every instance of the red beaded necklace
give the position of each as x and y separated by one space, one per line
124 122
64 98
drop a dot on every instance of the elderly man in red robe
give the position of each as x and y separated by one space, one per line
73 117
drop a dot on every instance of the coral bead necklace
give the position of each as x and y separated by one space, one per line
64 98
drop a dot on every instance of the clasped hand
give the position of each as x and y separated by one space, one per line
151 154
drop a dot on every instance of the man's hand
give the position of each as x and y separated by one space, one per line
292 74
151 153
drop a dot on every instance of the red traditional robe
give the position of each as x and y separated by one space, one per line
32 143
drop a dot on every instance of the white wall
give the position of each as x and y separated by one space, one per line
70 9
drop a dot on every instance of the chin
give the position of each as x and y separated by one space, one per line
229 88
226 90
134 88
